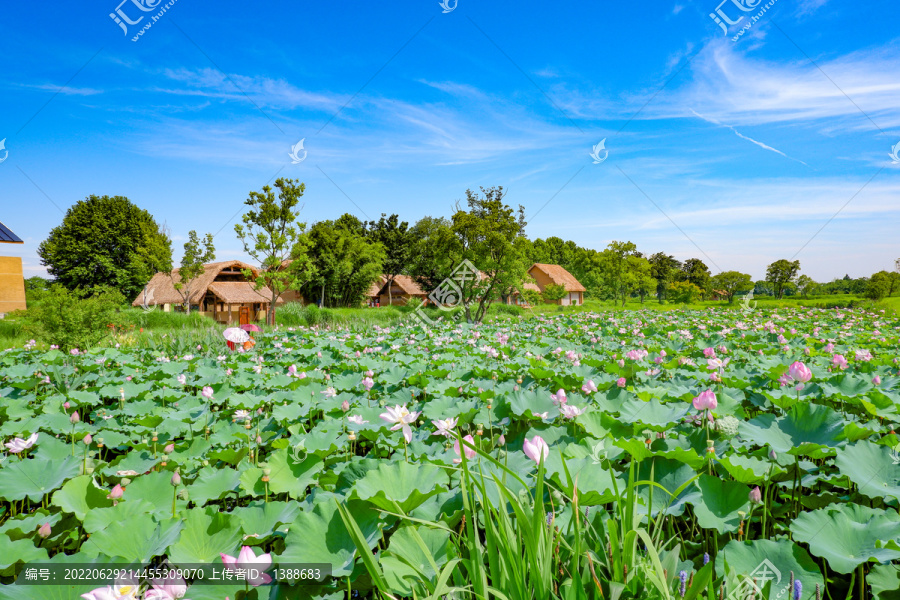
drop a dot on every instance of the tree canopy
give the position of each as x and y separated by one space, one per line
780 273
106 241
732 282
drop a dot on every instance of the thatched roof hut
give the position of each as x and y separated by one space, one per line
545 275
221 289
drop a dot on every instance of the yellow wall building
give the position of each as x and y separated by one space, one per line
12 282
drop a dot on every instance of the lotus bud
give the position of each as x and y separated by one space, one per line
116 492
502 440
74 418
755 495
44 530
66 405
169 448
87 440
176 479
772 454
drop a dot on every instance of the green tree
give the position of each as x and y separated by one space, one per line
485 235
106 241
35 289
639 279
397 241
77 318
732 282
806 285
272 236
553 293
780 273
532 297
663 269
192 262
428 263
879 285
614 269
695 271
345 260
684 292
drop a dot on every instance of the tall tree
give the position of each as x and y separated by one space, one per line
106 241
805 285
695 271
397 240
485 235
732 282
780 273
429 264
639 278
663 269
615 269
272 236
345 260
192 265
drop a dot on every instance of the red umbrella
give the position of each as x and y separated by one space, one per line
251 327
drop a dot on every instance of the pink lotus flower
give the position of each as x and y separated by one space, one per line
536 449
403 419
44 530
182 379
345 406
709 352
559 397
74 418
839 361
829 347
169 448
329 392
18 444
706 401
799 372
470 452
445 426
116 592
370 373
171 590
589 387
621 382
252 564
356 419
876 380
292 370
117 492
87 440
755 495
207 392
367 383
570 412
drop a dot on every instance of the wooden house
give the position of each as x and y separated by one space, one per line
403 288
372 295
545 275
222 292
12 281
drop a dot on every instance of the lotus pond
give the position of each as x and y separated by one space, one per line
695 454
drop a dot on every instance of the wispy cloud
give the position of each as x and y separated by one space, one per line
744 137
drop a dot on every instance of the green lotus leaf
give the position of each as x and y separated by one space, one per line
213 484
807 430
101 518
81 495
653 413
719 502
404 550
206 534
138 539
18 551
33 478
319 536
138 461
847 535
262 519
884 581
155 488
401 482
769 561
872 467
290 475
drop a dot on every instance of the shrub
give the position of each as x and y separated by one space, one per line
506 309
78 319
291 314
312 314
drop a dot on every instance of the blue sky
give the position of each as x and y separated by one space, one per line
736 152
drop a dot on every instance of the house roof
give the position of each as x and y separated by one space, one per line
560 276
8 237
376 286
239 292
405 283
161 288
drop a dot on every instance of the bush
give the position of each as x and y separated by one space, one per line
312 314
78 319
291 314
506 309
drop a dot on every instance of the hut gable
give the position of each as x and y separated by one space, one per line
407 285
376 286
221 275
559 276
